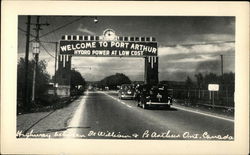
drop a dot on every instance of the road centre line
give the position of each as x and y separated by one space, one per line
117 100
205 114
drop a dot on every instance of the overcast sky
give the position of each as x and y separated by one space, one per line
186 45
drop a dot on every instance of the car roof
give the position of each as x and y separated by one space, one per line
126 84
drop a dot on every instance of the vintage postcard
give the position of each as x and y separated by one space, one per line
125 77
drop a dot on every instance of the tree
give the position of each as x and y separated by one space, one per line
114 80
227 81
188 84
200 83
42 78
211 78
76 79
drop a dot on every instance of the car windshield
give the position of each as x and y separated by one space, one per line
127 87
154 88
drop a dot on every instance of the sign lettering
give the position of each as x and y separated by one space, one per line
108 48
213 87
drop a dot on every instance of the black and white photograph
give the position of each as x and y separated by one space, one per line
126 78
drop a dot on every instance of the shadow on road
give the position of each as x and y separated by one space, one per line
163 108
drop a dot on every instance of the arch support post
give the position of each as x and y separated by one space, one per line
151 70
63 76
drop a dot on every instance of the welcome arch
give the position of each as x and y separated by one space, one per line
106 45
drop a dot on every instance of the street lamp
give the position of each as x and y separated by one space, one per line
95 20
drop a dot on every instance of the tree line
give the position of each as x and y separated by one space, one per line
113 81
226 81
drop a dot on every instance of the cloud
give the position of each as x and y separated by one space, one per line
172 50
217 37
207 37
180 71
208 66
194 59
175 63
85 30
212 48
175 76
199 48
96 68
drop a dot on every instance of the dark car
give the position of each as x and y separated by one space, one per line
126 91
149 96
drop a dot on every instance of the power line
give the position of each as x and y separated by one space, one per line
60 27
216 55
22 30
47 51
48 42
207 43
26 32
53 27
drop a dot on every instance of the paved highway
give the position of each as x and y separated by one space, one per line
101 115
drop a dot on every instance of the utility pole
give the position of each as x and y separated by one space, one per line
36 50
26 92
221 57
36 58
55 69
222 78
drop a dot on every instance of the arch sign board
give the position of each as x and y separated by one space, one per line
108 45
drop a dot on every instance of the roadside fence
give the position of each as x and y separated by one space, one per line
222 98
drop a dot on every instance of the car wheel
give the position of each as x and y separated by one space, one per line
144 105
138 104
167 107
